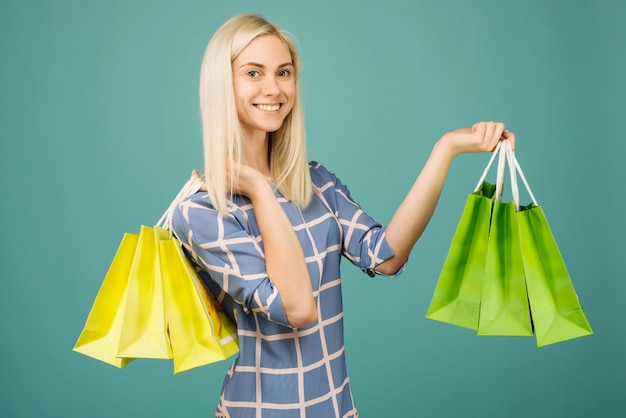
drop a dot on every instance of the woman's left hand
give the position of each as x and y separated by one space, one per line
411 218
482 137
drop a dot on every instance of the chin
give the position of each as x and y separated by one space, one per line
273 127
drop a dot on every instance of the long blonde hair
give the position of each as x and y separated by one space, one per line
222 137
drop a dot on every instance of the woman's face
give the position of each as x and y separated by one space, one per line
264 84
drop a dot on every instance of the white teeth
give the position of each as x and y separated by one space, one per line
268 108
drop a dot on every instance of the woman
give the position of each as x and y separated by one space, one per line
269 233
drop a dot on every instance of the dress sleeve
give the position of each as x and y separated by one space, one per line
235 260
364 242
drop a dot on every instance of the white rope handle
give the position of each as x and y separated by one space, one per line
513 168
500 173
192 186
513 174
486 171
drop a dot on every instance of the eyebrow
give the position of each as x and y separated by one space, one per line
256 64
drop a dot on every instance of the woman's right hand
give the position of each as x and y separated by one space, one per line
247 183
194 173
284 259
248 180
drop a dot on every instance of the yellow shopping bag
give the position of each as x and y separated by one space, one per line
144 329
101 334
200 331
152 304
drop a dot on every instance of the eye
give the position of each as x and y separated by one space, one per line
253 74
284 73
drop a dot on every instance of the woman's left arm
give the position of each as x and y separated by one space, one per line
412 216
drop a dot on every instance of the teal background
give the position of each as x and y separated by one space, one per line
99 127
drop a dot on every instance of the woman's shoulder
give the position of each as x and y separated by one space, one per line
320 175
200 204
197 213
200 200
327 181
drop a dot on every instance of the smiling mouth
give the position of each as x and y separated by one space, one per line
268 107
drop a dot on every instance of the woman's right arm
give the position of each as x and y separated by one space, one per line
284 259
272 280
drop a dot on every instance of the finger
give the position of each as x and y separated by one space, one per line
499 130
497 133
493 134
511 137
479 129
490 128
196 175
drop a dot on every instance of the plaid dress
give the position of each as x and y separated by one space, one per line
282 371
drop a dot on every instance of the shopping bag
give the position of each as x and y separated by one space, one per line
101 333
130 318
504 308
144 328
132 303
457 296
200 331
556 310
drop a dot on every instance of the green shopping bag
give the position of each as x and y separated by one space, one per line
504 306
556 310
457 296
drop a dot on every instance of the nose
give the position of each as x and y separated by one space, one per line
270 86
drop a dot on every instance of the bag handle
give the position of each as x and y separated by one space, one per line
500 173
514 168
486 171
513 174
189 188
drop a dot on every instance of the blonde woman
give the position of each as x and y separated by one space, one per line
270 229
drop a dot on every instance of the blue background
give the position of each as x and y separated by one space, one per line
99 127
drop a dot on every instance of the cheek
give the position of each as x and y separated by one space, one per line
241 91
289 106
290 92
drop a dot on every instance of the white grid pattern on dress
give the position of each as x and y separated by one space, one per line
283 371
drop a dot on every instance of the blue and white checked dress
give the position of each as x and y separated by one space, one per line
281 371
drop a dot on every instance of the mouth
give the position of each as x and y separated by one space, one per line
268 107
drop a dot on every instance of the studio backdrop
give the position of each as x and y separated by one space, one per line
99 128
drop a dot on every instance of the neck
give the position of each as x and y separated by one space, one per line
256 153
